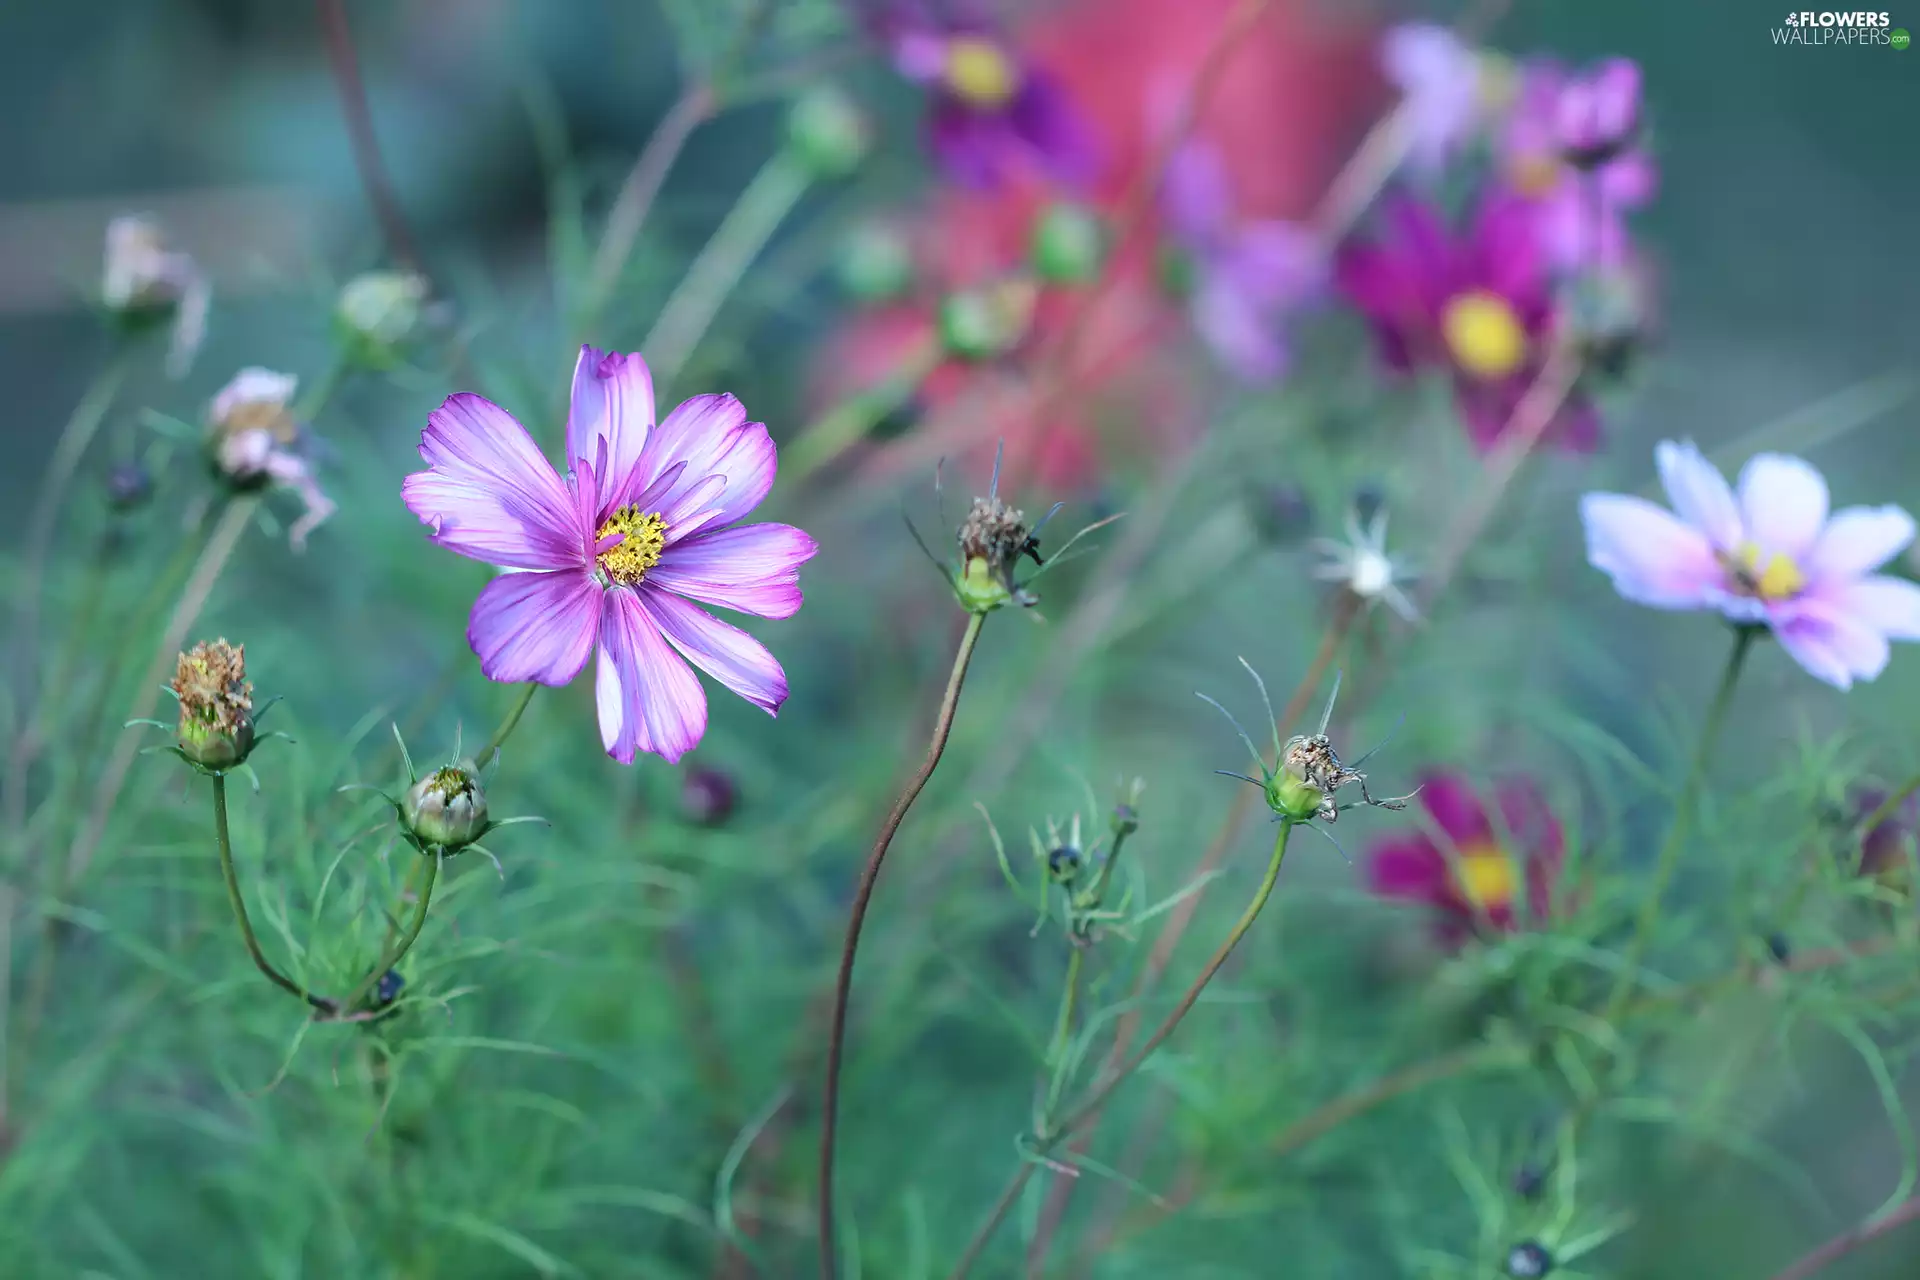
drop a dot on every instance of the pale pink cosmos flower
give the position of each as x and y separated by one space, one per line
643 523
1767 554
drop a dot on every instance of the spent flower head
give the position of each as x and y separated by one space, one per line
1362 565
254 442
216 729
148 283
1768 555
647 520
446 808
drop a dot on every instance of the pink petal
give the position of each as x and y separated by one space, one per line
535 626
1454 807
1859 540
712 436
612 402
1653 558
1698 492
1831 643
1783 502
488 493
754 568
1411 868
648 698
724 652
1890 606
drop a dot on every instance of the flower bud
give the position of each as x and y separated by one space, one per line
875 265
1779 948
1069 244
1529 1260
446 809
388 989
129 485
216 705
379 310
1292 796
991 540
147 284
1126 819
827 133
707 797
1282 513
1064 863
1529 1180
980 324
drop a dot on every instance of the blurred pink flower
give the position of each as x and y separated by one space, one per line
1769 555
1570 149
1250 276
993 109
1883 846
1443 90
1479 305
1470 877
643 523
256 443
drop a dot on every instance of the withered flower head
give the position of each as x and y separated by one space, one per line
216 704
148 283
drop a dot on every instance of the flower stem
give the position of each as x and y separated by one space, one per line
508 725
366 146
1063 1024
863 893
225 842
1090 1106
396 952
735 243
1852 1238
995 1217
1669 856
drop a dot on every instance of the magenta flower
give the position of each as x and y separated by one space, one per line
1250 277
644 522
1480 305
1443 90
991 109
1770 554
1472 876
1571 150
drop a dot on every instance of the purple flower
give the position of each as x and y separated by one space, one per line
1570 149
1480 305
1443 90
1883 847
644 522
1249 277
1769 554
991 109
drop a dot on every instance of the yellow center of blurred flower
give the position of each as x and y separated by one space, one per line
643 538
979 73
1535 174
1483 334
1485 877
1771 577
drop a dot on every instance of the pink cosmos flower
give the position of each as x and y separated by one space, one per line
1570 149
1473 875
645 521
1769 554
1480 304
1443 90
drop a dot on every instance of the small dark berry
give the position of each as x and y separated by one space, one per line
1779 948
388 989
1529 1260
1282 513
1063 864
707 797
128 486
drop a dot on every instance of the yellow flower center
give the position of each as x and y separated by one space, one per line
1485 876
643 538
1770 577
1536 174
979 73
1483 334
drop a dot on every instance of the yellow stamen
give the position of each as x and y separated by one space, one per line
1535 174
1484 335
626 563
1771 577
979 73
1485 877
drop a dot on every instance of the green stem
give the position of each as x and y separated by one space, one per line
1669 857
395 952
508 725
856 916
308 406
1099 1096
998 1214
225 841
736 242
1063 1026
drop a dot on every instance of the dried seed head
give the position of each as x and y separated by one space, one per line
446 809
216 704
1529 1260
991 540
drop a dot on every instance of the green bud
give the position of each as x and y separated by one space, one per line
216 705
875 265
1178 274
980 324
1069 244
1292 797
446 808
979 588
827 133
379 310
